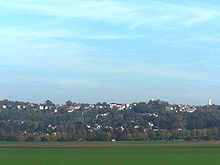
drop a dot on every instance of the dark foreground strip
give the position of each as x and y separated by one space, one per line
109 145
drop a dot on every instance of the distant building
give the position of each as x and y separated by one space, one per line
4 106
209 101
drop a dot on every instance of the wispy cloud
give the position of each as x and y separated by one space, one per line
62 33
186 15
133 14
170 72
112 11
207 38
155 20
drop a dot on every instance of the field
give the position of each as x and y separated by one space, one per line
100 153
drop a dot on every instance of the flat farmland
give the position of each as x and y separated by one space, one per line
119 153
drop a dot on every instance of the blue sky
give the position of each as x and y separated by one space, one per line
110 50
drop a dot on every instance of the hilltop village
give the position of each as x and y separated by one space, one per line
152 120
70 107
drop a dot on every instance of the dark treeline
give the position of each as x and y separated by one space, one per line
142 121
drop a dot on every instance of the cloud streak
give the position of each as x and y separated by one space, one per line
135 15
112 11
61 33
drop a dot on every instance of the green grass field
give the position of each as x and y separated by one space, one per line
101 154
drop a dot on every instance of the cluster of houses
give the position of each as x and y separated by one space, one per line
5 104
182 108
56 107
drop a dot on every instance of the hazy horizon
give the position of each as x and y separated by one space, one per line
114 51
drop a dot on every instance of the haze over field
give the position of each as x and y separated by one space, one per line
110 50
